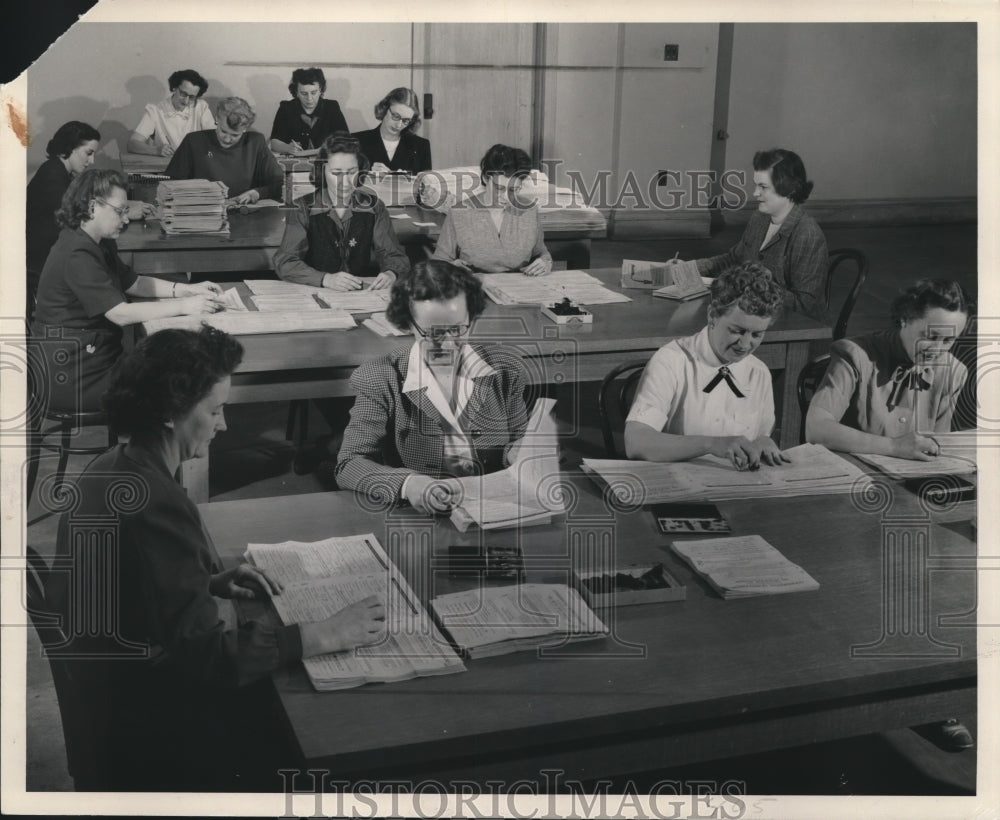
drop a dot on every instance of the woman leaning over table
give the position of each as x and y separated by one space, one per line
305 121
439 408
890 392
232 154
497 230
342 232
394 145
707 394
84 288
780 235
194 713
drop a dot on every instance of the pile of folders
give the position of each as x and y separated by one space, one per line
192 206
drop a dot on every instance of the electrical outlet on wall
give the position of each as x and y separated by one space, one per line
671 52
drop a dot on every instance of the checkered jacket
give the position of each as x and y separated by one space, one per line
394 434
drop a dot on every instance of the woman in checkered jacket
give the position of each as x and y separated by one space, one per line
437 409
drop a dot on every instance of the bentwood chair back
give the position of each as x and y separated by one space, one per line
615 398
838 258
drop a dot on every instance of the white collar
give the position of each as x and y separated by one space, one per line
170 111
419 377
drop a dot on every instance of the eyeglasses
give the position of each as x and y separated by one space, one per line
438 332
396 118
122 211
512 188
185 96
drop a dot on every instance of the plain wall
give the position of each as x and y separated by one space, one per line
874 110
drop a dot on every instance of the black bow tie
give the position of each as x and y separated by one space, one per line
723 374
905 378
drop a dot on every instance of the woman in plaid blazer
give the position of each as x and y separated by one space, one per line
435 410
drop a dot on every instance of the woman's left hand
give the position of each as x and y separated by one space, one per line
769 452
140 210
245 581
540 267
384 280
201 288
246 198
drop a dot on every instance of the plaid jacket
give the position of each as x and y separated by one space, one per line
393 434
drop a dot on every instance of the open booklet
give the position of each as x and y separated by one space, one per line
742 566
956 456
813 470
527 491
323 577
488 621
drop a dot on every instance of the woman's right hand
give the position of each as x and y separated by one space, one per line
166 151
739 450
341 281
914 446
381 168
200 303
433 496
359 624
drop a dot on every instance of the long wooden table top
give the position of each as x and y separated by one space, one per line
644 324
703 659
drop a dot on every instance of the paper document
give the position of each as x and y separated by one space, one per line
254 322
231 300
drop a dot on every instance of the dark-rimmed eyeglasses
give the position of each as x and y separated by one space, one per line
396 118
122 211
437 333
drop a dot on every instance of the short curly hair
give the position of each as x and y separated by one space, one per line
788 173
403 96
925 294
235 112
506 161
165 376
433 280
94 183
750 287
307 76
188 75
69 136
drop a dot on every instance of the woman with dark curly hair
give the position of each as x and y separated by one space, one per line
84 288
497 230
305 121
440 408
889 392
394 145
706 394
182 112
188 708
342 232
780 235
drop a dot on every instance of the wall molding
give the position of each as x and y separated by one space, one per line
879 212
626 224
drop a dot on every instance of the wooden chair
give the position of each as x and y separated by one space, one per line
809 379
616 393
837 258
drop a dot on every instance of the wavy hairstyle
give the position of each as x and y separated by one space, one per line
188 75
504 160
165 376
433 280
788 173
925 294
307 76
750 287
94 183
403 96
70 136
235 112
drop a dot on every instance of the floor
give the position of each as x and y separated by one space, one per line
253 459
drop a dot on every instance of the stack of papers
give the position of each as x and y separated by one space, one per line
253 322
323 577
192 206
744 566
489 621
814 470
351 301
576 285
956 456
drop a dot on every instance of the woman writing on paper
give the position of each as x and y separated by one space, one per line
305 121
342 232
439 408
780 235
192 711
707 394
394 145
497 230
167 122
84 288
889 392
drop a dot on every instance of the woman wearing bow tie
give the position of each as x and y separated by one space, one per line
889 392
707 394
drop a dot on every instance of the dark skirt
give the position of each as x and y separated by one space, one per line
70 368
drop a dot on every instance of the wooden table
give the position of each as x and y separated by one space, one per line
282 367
678 682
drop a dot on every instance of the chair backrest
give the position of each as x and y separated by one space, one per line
809 378
837 258
616 394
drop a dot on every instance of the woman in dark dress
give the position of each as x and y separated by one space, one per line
303 122
394 146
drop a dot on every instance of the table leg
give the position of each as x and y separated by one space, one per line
194 479
796 356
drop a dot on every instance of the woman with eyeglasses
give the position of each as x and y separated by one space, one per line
83 293
497 230
166 123
394 146
340 236
435 410
303 122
